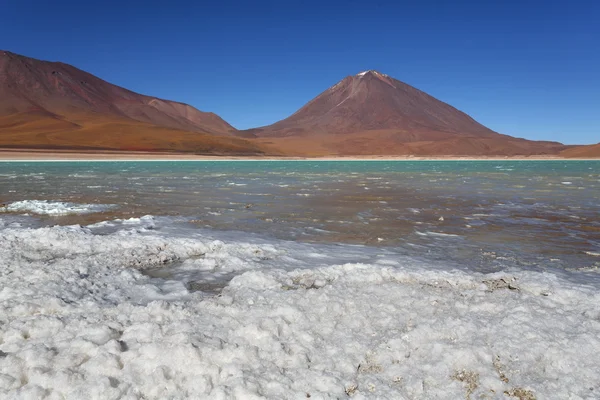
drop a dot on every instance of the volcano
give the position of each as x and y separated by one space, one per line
372 113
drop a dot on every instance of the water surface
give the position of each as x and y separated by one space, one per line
483 215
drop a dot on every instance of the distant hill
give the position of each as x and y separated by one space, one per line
373 113
55 105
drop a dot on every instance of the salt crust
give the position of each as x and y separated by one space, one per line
78 320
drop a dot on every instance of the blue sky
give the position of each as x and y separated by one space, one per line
525 68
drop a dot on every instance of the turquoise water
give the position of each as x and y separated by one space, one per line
118 167
485 215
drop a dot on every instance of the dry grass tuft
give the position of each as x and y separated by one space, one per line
469 378
521 394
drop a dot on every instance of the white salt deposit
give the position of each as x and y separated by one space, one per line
79 320
44 207
440 234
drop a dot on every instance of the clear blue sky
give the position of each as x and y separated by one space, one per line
525 68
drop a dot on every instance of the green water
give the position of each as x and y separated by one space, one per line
487 214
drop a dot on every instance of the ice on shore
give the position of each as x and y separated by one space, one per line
44 207
79 320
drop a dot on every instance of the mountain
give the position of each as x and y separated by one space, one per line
55 105
373 113
374 101
27 84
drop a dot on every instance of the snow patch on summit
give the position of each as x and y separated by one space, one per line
361 74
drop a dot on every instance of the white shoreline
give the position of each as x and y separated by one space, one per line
341 159
112 156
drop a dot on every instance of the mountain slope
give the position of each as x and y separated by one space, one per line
588 151
28 85
42 131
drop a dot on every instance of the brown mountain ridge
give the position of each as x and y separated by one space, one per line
52 105
55 105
